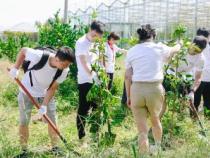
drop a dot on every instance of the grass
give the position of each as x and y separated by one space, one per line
182 141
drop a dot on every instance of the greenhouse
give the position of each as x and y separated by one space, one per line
136 87
125 16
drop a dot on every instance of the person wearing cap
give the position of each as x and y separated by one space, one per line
204 88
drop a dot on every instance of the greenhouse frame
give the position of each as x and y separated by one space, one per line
124 17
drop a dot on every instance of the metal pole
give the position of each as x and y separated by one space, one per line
166 22
196 17
65 11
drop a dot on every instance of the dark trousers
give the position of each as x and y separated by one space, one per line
111 76
84 107
124 95
203 90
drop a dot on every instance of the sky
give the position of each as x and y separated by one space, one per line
13 12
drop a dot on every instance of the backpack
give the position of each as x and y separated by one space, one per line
41 63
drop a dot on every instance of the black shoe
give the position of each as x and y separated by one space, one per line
23 154
193 115
57 151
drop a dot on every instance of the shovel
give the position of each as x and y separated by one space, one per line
192 107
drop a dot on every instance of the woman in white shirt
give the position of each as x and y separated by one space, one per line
145 96
110 52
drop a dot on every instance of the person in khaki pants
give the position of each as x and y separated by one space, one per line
145 96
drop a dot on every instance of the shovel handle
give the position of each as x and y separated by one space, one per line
199 120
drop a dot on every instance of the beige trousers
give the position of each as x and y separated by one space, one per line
146 99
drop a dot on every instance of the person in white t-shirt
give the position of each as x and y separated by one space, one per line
86 77
41 83
110 52
144 76
204 88
195 62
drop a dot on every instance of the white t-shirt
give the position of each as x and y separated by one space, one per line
82 47
41 78
194 63
110 57
147 61
206 69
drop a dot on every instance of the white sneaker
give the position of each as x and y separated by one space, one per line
155 149
83 143
203 138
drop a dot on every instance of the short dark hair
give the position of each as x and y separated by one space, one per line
97 26
65 54
203 32
114 36
146 32
200 41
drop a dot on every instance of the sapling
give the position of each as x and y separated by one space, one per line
101 96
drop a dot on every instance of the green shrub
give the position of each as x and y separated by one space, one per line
67 95
117 87
55 33
12 43
8 95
